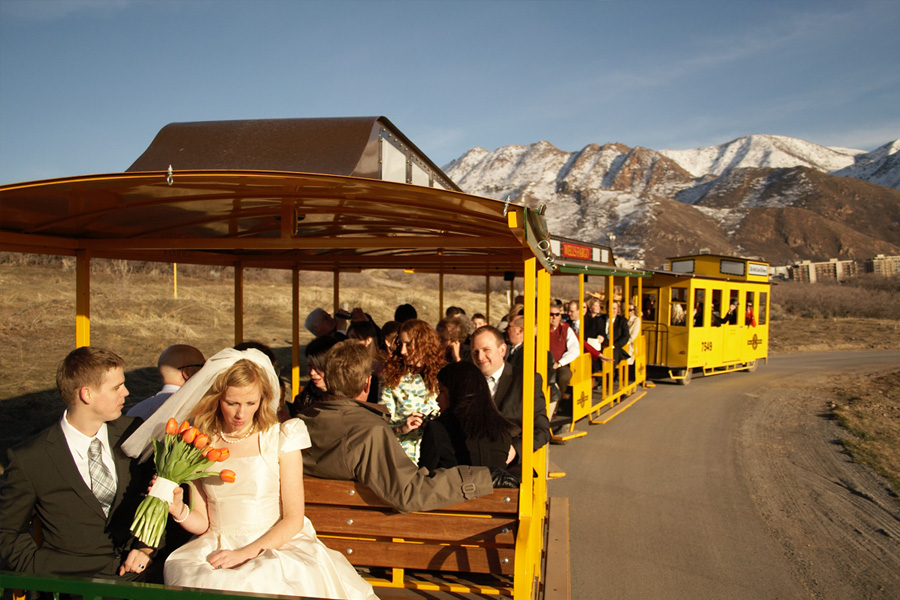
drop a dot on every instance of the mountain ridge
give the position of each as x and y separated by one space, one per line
669 202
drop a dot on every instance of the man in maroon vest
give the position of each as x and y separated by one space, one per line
563 347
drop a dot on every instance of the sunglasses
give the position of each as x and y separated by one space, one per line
554 314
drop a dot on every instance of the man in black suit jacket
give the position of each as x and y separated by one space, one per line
620 334
505 383
50 477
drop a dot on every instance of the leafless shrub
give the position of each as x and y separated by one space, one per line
868 297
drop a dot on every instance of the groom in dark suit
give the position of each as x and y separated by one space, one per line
75 481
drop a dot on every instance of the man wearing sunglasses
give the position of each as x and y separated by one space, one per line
563 347
176 365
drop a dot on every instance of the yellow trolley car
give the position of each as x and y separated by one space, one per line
614 385
335 195
707 312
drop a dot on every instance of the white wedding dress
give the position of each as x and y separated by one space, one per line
241 512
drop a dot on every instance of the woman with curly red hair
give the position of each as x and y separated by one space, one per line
409 382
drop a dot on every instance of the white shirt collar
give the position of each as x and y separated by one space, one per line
493 380
78 442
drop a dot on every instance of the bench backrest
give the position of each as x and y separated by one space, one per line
477 536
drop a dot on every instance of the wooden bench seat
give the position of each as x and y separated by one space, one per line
477 536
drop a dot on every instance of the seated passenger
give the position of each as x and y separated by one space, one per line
453 333
470 431
478 320
506 386
405 312
75 479
389 332
731 315
574 315
750 318
314 390
454 311
409 383
563 346
176 364
352 439
678 314
367 334
320 323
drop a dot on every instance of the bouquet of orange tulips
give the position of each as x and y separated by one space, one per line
184 454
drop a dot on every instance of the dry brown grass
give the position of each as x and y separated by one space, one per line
870 410
135 314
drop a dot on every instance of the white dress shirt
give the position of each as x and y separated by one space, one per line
79 444
145 408
494 380
572 350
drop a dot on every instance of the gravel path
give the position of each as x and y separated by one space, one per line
732 487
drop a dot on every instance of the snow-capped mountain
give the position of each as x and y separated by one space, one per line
669 202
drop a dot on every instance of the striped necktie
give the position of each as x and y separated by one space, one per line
102 483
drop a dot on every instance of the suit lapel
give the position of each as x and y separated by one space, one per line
503 386
60 457
116 431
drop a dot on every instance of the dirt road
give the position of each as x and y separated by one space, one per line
732 487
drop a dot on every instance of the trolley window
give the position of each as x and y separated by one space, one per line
763 298
731 316
750 314
648 306
678 311
699 307
732 267
716 320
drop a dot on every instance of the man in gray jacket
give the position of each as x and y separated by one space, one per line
353 440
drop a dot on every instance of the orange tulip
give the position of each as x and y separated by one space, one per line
213 454
201 440
189 435
223 454
171 427
184 427
227 476
206 451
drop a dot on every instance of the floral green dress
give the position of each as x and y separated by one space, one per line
407 397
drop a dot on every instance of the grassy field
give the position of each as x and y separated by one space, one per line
134 312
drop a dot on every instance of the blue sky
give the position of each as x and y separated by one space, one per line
86 84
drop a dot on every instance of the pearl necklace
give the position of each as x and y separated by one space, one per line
240 439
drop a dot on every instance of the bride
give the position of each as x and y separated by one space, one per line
252 535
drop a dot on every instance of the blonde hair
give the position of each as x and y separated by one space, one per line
206 416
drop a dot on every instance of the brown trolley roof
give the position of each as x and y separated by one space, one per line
222 202
265 219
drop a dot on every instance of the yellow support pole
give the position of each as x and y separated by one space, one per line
440 296
175 281
82 298
487 298
337 292
525 540
238 302
295 332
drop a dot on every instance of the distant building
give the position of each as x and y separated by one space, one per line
886 266
833 270
629 263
